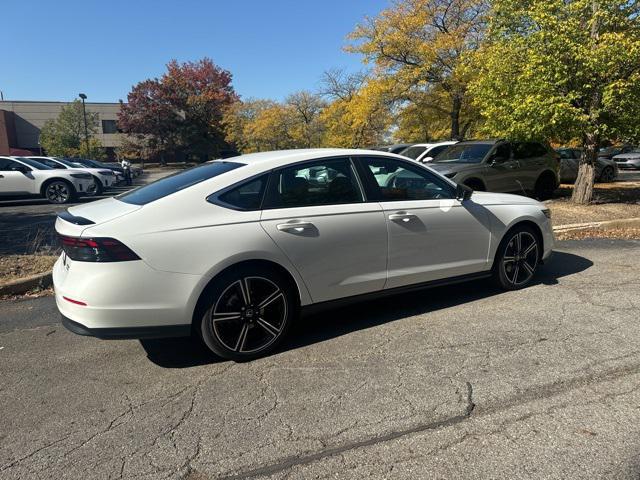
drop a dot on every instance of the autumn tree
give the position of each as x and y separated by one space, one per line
421 45
182 110
238 119
359 112
305 108
65 136
562 69
259 125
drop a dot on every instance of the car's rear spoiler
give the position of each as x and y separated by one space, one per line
68 217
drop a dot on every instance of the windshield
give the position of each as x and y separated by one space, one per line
413 152
176 182
34 164
464 153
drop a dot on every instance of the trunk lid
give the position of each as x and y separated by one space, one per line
78 218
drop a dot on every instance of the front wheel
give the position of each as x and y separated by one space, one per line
59 192
249 312
517 259
97 187
545 186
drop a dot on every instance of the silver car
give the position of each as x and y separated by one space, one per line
628 161
501 166
606 169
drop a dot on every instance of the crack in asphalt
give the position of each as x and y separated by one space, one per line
541 393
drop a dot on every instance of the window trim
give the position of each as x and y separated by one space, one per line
215 199
274 173
372 186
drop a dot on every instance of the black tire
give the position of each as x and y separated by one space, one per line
522 264
99 187
545 186
475 184
607 175
59 192
238 328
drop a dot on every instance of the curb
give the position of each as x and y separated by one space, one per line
24 285
605 225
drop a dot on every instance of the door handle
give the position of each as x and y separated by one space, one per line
1 176
402 216
294 226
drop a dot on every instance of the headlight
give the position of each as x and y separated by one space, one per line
450 175
547 212
84 176
105 172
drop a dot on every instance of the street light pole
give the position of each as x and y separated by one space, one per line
84 112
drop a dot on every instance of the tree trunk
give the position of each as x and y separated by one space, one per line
456 106
583 188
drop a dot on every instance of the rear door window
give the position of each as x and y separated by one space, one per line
176 182
325 182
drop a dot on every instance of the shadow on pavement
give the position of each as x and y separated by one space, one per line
189 352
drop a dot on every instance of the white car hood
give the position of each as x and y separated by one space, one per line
491 198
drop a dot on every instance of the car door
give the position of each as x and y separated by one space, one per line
432 235
317 215
568 165
533 159
501 170
15 178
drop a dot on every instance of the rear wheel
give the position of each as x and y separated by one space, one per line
59 191
607 175
517 258
249 312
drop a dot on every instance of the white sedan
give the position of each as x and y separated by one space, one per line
233 250
25 177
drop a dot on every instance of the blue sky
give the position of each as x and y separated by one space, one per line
51 50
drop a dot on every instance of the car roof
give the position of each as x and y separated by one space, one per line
481 142
275 159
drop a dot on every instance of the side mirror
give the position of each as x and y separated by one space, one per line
497 159
463 192
427 159
21 169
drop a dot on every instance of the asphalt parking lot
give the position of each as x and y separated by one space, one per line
455 382
28 225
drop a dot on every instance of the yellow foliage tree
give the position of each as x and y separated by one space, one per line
421 45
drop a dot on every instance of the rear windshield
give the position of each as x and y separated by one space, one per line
176 182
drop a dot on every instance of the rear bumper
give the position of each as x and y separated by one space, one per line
127 333
124 299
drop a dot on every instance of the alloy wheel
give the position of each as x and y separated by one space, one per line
58 192
520 258
249 315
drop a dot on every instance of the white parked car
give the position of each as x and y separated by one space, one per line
24 177
102 177
425 152
234 249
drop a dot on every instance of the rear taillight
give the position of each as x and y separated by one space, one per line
96 249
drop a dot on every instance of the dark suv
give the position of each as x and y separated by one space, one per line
501 166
